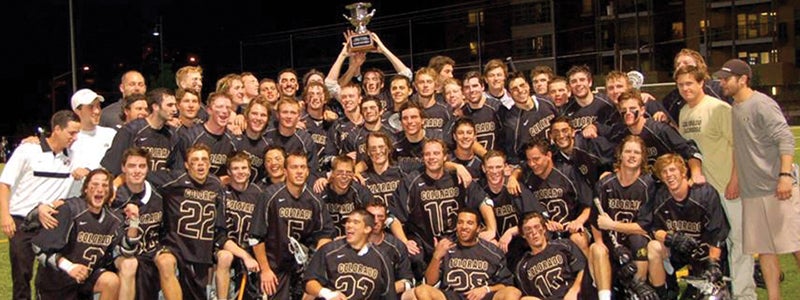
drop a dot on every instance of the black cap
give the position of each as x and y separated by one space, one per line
734 67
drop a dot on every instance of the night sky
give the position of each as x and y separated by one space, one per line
114 35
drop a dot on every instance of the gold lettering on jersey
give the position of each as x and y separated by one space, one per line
549 193
199 195
685 226
151 218
241 206
553 261
219 159
624 204
319 139
484 127
256 161
581 122
157 153
294 213
383 187
504 210
652 152
468 264
341 208
357 268
540 126
691 126
431 195
95 239
434 123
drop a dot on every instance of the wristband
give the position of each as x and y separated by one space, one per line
66 265
327 294
406 285
787 174
488 290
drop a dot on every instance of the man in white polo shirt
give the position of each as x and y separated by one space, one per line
35 176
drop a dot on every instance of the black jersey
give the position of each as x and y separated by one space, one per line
700 216
487 123
466 268
221 145
151 213
600 111
549 274
341 205
473 165
626 204
661 139
563 193
509 209
341 129
255 150
427 207
522 126
382 186
299 141
194 214
322 133
356 141
160 143
406 151
81 236
357 274
438 117
396 253
239 208
282 215
590 157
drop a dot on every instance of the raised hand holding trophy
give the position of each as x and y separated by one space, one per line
361 40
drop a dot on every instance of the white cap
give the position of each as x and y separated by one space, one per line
83 97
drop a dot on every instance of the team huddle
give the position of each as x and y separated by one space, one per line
494 186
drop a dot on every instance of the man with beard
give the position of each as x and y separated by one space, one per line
342 194
619 224
194 215
213 133
151 133
552 269
292 212
287 83
73 257
689 227
528 119
467 268
426 202
352 267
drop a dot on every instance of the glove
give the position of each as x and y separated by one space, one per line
623 254
681 243
627 271
643 290
713 272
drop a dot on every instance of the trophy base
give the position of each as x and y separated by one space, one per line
362 42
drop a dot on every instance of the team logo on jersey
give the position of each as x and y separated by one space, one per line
142 139
281 199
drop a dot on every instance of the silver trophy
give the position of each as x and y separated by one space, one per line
360 17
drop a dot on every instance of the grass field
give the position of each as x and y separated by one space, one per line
790 288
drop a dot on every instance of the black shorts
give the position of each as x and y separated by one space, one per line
290 285
58 285
147 279
193 277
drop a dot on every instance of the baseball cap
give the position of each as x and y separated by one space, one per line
83 97
734 67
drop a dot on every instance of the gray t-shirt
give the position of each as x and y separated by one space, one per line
760 136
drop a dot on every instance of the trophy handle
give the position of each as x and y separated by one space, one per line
349 19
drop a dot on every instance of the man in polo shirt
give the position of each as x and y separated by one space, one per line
37 174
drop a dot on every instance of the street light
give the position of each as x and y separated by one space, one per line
158 31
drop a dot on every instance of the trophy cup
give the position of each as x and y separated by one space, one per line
359 17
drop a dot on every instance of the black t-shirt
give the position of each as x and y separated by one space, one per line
282 215
466 268
550 273
194 214
358 274
161 144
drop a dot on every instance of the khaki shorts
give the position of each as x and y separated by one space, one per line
771 226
